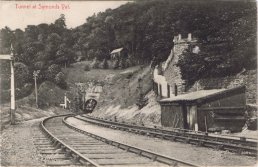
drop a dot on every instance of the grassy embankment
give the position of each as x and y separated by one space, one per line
120 92
118 99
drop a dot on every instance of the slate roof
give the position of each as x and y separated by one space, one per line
202 94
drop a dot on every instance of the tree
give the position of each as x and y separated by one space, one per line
95 63
60 80
115 64
7 37
64 55
53 42
60 23
21 74
31 33
52 71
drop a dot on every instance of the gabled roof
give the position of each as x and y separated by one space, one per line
116 50
201 95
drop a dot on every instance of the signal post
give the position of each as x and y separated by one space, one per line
10 57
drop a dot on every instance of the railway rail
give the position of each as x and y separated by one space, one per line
50 155
246 146
92 150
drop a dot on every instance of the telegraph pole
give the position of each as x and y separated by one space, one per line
35 74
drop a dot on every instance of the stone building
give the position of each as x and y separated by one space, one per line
169 81
236 96
120 53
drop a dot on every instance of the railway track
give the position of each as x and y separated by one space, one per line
50 155
240 145
83 148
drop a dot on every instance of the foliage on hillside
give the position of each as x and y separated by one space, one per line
43 47
125 88
228 47
226 32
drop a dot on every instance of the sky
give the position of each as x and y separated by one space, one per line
19 14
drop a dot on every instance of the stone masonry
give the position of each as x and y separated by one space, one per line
172 73
247 78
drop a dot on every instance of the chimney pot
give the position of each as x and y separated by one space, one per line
189 36
175 39
179 37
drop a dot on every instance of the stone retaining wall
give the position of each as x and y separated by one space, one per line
247 78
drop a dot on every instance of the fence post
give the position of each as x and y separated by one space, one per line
168 90
175 87
160 90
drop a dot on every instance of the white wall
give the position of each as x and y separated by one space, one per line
161 80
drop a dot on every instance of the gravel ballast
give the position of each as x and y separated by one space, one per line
17 148
186 152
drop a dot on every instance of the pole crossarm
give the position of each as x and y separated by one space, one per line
35 73
10 57
6 57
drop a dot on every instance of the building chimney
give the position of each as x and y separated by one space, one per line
179 37
189 38
175 39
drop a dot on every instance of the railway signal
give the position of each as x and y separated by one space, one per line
10 57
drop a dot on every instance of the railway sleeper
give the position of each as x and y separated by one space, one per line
200 140
185 137
116 144
58 145
76 158
200 143
167 161
241 150
150 155
220 147
154 157
187 134
85 163
68 153
187 140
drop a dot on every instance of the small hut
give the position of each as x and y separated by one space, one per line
205 110
120 53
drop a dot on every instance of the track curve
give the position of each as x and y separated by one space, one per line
93 150
239 145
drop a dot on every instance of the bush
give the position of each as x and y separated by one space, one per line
122 64
128 62
104 64
24 91
60 80
19 93
95 63
87 67
5 96
115 64
52 71
39 65
21 73
49 95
